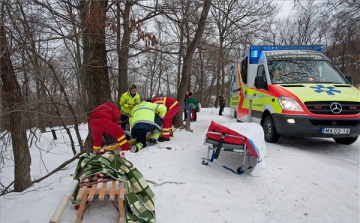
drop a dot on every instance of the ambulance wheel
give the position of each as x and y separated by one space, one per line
346 141
270 132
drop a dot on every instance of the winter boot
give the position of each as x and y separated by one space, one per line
164 139
137 147
152 141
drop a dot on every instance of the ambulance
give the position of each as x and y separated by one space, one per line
294 91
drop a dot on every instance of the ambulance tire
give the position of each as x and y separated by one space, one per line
270 132
346 141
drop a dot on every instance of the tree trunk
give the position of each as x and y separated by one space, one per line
188 59
84 17
13 97
202 77
95 63
123 53
97 74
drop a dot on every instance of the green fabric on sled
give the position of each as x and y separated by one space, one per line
139 195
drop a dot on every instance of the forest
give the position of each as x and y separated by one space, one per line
61 58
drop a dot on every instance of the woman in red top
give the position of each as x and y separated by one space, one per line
106 118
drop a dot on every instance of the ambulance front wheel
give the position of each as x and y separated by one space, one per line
270 132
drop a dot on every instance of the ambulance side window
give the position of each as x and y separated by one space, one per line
261 73
244 69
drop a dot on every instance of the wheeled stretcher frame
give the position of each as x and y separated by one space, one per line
214 148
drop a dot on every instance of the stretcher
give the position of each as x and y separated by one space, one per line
220 138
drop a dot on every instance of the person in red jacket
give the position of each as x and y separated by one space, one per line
106 118
173 107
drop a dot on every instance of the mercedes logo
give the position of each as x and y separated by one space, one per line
335 107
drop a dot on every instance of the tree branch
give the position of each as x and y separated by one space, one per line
59 167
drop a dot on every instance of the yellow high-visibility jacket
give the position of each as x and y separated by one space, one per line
145 113
126 100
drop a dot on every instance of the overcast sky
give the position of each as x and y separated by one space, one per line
287 6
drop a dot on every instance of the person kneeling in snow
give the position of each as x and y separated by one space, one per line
146 117
106 119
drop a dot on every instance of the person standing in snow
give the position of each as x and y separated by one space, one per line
127 102
185 110
106 119
146 117
173 107
221 104
191 104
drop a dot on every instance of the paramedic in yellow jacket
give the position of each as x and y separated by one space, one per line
146 117
128 101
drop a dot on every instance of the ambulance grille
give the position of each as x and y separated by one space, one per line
323 107
335 122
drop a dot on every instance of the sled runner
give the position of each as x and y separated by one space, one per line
220 138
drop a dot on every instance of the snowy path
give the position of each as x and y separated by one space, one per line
306 180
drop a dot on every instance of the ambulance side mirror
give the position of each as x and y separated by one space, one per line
258 82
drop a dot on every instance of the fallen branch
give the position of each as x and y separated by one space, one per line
28 191
4 191
59 167
166 182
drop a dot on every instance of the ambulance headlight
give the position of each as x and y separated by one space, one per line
290 104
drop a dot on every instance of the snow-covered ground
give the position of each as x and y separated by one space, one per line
306 180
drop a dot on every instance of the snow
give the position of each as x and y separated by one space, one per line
305 180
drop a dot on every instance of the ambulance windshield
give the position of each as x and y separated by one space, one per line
301 70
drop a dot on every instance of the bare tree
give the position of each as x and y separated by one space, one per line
124 49
185 76
14 100
343 37
334 24
95 59
235 20
129 26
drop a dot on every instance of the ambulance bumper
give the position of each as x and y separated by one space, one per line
316 127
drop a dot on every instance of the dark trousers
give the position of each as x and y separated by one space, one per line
140 130
140 135
221 110
124 120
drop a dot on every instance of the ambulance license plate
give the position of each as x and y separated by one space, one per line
335 131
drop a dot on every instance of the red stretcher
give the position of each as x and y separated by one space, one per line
220 138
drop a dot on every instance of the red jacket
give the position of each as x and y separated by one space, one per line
107 110
168 102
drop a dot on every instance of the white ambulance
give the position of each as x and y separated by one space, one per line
294 90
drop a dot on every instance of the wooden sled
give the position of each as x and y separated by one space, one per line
110 188
132 141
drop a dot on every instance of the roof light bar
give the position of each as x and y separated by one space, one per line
255 51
